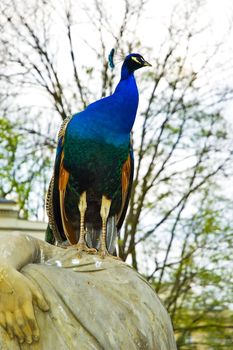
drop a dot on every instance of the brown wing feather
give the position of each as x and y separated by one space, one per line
63 181
126 177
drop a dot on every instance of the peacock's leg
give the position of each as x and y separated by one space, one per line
104 212
81 245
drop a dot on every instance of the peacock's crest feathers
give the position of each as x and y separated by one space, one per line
110 59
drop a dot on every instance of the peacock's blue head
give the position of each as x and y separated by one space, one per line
131 63
135 61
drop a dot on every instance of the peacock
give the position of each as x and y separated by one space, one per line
90 188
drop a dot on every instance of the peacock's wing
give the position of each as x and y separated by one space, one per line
115 221
55 204
126 184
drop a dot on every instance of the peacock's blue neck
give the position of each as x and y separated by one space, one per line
112 117
125 72
126 95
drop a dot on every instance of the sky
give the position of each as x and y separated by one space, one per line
152 30
214 16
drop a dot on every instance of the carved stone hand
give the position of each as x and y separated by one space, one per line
17 295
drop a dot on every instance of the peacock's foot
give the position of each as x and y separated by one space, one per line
82 247
103 253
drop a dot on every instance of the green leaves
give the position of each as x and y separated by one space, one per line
9 142
21 170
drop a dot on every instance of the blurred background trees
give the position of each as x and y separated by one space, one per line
178 231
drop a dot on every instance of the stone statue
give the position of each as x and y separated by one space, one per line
50 298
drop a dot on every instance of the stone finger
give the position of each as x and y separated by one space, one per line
39 299
30 319
27 332
19 318
2 320
9 324
19 333
33 324
20 321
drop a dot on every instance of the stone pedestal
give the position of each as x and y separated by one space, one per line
95 304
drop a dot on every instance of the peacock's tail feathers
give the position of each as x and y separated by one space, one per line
93 236
50 213
112 235
49 200
63 126
49 237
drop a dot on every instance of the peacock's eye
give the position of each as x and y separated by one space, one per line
135 59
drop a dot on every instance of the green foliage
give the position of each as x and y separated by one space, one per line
9 143
197 288
18 180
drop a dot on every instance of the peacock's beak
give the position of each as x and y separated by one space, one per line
146 64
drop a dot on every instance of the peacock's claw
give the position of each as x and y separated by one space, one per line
103 253
82 247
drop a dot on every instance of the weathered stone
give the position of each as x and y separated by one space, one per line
95 304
